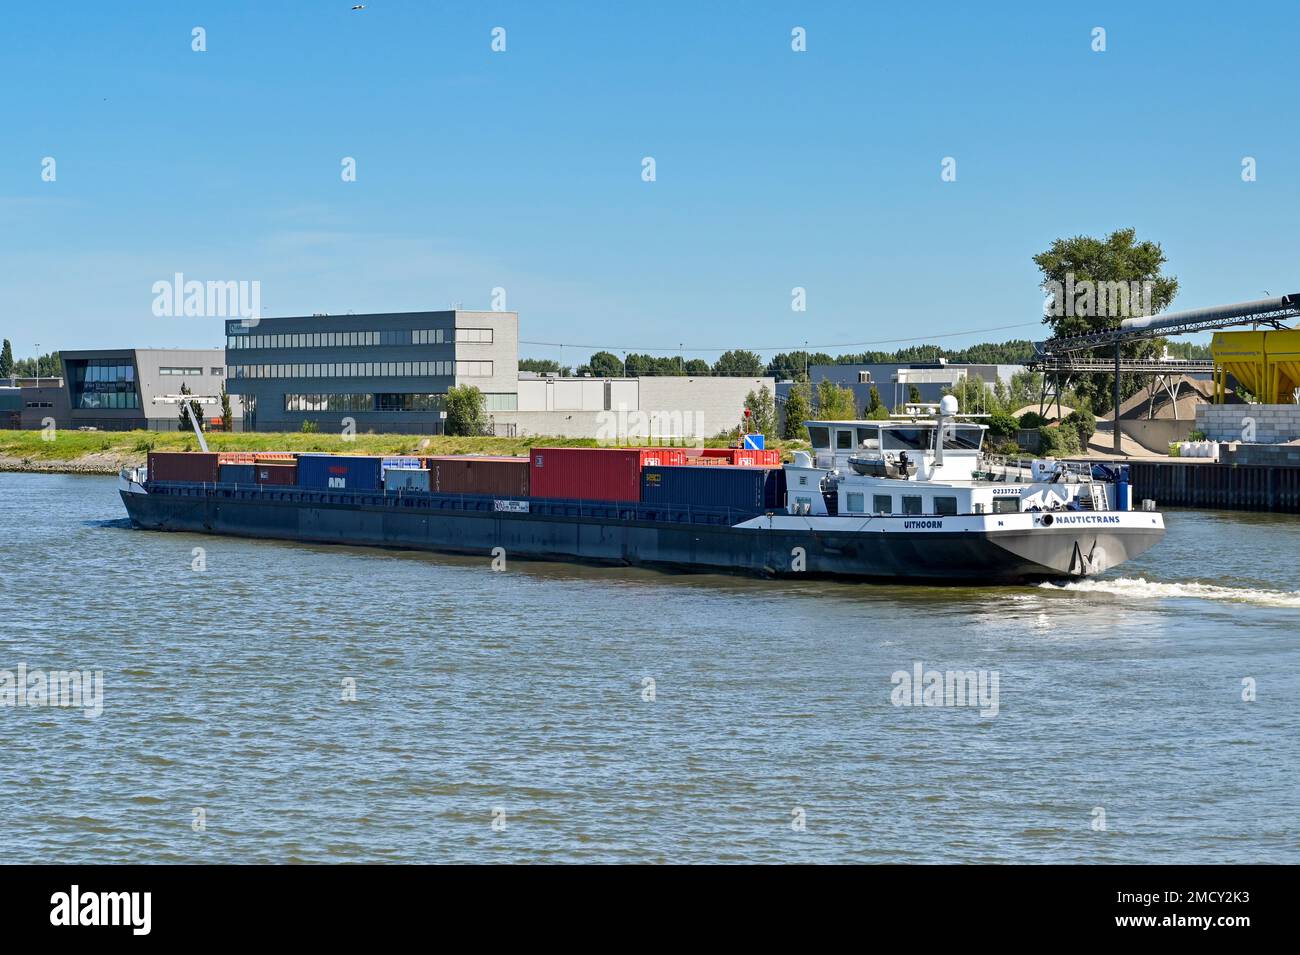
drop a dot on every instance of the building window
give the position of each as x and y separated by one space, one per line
911 504
408 402
882 504
945 505
192 372
98 383
329 402
474 336
508 401
474 369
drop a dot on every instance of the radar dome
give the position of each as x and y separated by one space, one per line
948 405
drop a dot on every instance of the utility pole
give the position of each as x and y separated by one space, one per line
1117 354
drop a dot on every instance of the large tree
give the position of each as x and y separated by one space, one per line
762 410
604 364
835 403
798 409
6 360
739 363
189 408
466 409
1091 285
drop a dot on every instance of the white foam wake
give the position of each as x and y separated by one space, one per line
1147 590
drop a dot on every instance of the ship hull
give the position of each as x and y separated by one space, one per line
949 550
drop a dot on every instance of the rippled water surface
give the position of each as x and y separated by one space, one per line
519 697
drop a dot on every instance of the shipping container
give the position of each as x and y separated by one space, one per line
338 472
260 456
193 466
747 489
406 479
474 474
235 457
747 457
278 473
399 462
236 474
595 474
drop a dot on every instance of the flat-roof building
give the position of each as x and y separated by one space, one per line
119 389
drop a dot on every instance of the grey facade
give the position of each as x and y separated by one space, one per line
386 372
118 389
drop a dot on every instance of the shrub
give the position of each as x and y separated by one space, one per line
1084 424
1032 419
309 427
1058 441
1003 424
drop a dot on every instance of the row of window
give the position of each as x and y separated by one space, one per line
366 369
107 399
855 503
103 369
393 336
387 402
180 371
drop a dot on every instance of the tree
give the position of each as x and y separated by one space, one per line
698 367
873 402
914 394
6 360
466 409
189 408
739 363
798 409
762 410
605 364
1092 283
227 422
794 366
835 403
544 366
1026 386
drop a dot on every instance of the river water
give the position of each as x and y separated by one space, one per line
551 712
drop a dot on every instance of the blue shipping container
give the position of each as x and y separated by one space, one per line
236 474
754 490
400 463
406 479
338 472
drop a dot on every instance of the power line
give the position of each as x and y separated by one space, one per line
782 348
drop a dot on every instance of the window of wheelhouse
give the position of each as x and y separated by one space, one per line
844 439
906 439
962 437
820 438
868 434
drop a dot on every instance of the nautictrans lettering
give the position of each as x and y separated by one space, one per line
1087 519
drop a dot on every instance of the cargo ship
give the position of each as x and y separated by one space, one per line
912 498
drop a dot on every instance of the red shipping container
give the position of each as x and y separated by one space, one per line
751 457
274 456
595 474
235 457
191 466
477 474
277 473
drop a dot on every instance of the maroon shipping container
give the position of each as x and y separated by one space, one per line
595 474
475 474
281 474
192 466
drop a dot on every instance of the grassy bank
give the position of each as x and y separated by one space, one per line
108 450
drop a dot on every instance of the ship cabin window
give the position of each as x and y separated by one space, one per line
855 505
1006 505
906 439
911 504
844 439
868 434
945 505
820 438
963 437
882 504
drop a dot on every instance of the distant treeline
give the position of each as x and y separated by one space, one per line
786 365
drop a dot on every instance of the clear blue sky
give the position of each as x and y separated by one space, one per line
522 169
